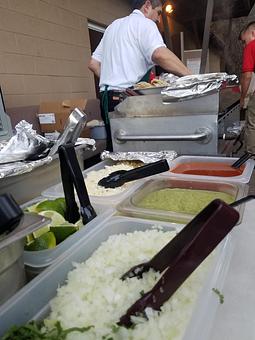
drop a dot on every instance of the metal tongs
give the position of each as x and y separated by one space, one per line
72 177
183 254
242 160
118 178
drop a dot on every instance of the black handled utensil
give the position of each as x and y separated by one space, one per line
118 178
72 177
163 258
242 160
183 254
10 214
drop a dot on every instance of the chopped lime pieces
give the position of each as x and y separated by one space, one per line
45 241
55 217
37 233
62 232
55 232
57 205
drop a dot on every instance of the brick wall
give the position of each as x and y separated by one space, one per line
44 47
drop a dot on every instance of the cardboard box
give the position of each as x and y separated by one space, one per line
53 115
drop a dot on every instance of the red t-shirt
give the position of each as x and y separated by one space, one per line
249 57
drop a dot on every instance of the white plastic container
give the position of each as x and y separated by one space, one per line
130 205
243 178
32 302
37 261
57 190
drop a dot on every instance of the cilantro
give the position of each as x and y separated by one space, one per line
220 295
35 331
115 328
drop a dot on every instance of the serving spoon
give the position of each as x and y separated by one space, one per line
183 254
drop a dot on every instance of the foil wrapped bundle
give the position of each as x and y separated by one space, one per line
23 144
194 86
145 157
18 168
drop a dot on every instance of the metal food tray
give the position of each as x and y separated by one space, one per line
150 90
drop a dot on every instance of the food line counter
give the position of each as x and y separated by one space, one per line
234 318
244 238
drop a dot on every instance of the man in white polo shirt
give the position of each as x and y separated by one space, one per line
130 47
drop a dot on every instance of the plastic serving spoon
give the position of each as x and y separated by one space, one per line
242 160
118 178
183 254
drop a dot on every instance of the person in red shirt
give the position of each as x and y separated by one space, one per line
247 36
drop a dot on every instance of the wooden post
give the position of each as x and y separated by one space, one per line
206 37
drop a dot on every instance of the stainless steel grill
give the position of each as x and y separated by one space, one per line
144 123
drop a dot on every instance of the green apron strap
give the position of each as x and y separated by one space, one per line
105 103
146 77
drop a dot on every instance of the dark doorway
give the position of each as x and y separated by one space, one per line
95 36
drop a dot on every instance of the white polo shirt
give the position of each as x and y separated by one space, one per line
126 49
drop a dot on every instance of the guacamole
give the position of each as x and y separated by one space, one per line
187 201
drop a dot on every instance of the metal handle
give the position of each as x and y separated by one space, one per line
200 135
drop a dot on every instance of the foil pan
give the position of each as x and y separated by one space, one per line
194 86
18 168
145 157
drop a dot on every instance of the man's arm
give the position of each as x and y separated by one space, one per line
95 67
245 83
163 57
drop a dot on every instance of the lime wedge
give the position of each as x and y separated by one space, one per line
45 241
56 218
29 238
61 204
37 233
57 205
79 224
62 232
32 208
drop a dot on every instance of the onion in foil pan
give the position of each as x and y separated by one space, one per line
195 86
145 157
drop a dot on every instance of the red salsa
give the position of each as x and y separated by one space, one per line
208 169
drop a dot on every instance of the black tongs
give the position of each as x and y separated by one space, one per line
118 178
72 177
183 254
244 158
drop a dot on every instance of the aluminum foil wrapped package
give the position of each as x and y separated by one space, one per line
24 143
88 143
18 168
168 77
145 157
198 85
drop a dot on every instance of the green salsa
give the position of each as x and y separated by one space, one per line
182 200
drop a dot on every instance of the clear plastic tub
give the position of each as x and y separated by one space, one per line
32 302
243 178
129 205
37 261
57 190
